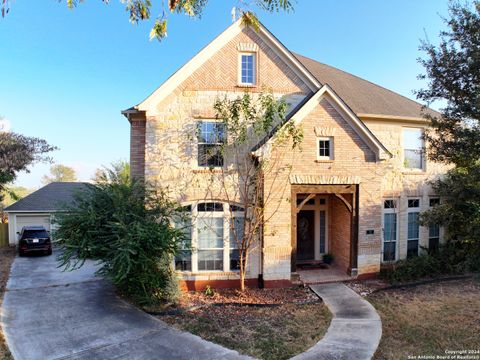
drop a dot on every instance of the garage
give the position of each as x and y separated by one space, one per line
27 220
38 208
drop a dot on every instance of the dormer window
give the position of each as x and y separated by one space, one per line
247 69
325 148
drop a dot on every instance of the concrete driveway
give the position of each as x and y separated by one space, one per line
50 314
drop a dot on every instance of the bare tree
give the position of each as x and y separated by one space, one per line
245 122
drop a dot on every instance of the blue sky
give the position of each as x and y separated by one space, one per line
65 75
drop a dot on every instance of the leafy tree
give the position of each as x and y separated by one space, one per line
119 172
15 193
127 229
139 10
453 74
60 173
17 153
246 121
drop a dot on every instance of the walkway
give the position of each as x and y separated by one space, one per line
355 330
50 314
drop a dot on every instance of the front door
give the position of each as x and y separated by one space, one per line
306 235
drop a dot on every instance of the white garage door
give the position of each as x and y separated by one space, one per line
24 220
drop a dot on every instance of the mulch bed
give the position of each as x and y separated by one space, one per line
191 301
263 323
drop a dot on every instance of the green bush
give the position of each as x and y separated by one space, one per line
126 227
453 258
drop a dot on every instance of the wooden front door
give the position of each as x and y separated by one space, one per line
306 235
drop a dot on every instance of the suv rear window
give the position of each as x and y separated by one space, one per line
39 234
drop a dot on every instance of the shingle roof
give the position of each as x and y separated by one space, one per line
51 197
362 96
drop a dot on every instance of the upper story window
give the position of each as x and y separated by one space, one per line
211 136
247 73
325 148
413 154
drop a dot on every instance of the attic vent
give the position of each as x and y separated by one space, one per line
247 47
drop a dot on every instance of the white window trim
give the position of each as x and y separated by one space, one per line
255 68
424 159
396 212
197 143
225 214
331 147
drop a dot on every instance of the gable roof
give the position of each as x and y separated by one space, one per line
306 106
362 96
51 197
203 55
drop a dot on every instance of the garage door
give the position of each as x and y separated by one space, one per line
23 220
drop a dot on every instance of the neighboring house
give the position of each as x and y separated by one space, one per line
39 207
355 190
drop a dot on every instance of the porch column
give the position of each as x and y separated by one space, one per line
354 232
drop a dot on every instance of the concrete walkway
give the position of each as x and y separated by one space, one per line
355 330
50 314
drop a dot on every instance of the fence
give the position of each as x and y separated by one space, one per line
3 234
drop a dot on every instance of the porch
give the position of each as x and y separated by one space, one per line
324 226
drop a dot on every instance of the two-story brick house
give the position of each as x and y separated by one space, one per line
357 184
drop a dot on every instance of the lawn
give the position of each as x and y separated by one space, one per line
429 319
294 322
7 255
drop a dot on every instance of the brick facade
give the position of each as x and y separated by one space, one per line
164 151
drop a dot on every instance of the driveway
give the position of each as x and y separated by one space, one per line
50 314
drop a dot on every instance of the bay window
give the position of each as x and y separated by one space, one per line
216 232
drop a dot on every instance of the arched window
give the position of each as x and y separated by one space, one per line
215 233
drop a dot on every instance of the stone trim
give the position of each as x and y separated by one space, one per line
321 131
323 179
248 47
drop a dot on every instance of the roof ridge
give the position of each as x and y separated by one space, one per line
356 76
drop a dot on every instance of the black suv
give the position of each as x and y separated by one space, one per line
34 239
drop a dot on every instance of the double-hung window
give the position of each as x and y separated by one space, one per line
413 154
247 71
325 148
211 137
389 230
413 227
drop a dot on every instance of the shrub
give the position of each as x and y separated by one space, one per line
453 258
127 228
